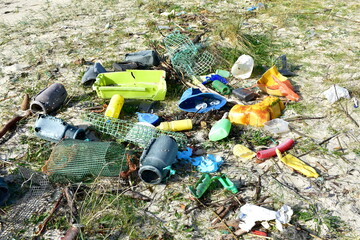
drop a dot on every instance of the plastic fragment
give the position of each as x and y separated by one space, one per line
259 233
184 155
243 94
297 164
227 184
243 152
205 181
273 83
356 103
208 164
276 126
335 92
250 214
222 73
148 117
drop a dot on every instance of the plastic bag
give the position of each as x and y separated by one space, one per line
250 214
336 92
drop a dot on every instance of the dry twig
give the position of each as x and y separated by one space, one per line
42 225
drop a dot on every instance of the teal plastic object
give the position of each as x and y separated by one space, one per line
220 87
201 186
227 184
220 129
205 181
132 84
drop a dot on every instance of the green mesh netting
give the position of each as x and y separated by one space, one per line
126 131
185 55
75 160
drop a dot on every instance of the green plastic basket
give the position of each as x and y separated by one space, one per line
133 84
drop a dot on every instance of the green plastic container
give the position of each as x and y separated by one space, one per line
220 129
133 84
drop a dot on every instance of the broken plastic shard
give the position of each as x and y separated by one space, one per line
205 181
277 125
297 164
243 152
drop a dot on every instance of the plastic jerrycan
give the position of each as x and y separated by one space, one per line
178 125
115 105
220 129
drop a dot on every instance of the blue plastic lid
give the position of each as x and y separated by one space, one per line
148 117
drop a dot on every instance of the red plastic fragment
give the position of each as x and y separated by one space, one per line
259 233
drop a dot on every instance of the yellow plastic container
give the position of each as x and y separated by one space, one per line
178 125
257 114
115 106
133 84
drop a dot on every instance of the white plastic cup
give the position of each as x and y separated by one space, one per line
243 67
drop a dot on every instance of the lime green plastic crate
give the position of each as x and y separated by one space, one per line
134 84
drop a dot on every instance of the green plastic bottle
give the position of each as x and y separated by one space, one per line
220 129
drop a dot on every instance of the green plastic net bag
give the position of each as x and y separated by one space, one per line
126 131
185 55
75 160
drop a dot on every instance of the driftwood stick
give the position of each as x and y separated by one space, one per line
226 225
25 103
72 206
42 225
10 124
71 233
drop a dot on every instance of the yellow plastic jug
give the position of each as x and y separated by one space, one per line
115 106
257 114
178 125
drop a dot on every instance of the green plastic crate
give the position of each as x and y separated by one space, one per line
133 84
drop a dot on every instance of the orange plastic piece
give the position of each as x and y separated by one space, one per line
273 83
257 114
